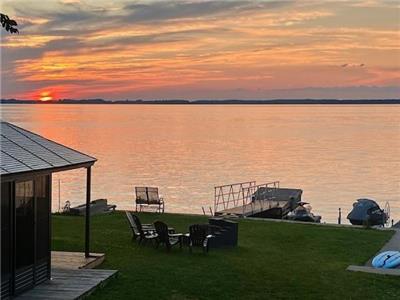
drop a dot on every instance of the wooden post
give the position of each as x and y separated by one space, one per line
59 195
87 216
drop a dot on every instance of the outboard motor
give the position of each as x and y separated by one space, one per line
367 211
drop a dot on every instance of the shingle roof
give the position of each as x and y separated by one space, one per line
24 151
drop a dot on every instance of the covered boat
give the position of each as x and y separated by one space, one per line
367 211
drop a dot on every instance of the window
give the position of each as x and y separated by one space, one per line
42 217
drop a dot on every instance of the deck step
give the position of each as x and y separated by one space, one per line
69 284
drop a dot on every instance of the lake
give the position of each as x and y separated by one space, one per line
334 153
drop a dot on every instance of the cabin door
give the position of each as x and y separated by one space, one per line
32 232
24 236
6 240
42 222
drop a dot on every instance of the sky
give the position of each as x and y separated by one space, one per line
81 49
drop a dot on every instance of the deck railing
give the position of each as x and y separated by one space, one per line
230 195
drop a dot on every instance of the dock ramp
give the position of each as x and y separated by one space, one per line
249 199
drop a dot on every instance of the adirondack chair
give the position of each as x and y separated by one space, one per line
199 236
148 196
140 232
166 238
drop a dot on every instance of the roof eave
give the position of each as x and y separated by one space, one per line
87 164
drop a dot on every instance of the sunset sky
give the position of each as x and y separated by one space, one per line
201 49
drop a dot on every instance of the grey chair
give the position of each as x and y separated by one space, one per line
140 232
148 196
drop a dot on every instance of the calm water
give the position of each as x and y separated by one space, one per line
336 154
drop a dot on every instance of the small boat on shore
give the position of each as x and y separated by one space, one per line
367 211
303 213
99 206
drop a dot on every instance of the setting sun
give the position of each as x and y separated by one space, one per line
45 96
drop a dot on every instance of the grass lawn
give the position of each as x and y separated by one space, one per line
273 261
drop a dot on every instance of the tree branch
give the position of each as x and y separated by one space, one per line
8 24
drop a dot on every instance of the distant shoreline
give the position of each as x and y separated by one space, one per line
208 102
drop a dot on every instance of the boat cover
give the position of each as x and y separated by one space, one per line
362 209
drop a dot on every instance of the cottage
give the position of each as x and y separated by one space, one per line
27 164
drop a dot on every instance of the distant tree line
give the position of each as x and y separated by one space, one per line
206 102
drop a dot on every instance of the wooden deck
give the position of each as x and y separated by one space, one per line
71 277
68 284
75 260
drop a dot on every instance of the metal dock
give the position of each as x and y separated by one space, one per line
247 199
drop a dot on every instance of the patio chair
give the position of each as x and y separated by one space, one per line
199 236
149 227
140 232
148 196
164 237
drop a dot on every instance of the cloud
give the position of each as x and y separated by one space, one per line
160 11
353 65
172 10
102 48
374 3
